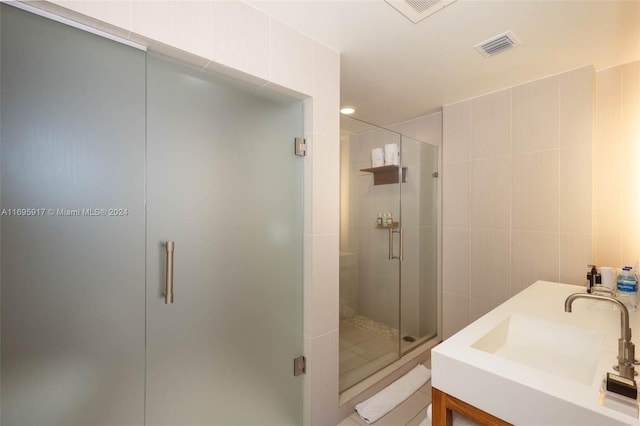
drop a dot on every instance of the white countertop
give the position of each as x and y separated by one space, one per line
524 395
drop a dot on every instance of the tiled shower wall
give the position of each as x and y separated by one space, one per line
377 282
517 203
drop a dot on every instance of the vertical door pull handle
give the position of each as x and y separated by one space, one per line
401 254
168 288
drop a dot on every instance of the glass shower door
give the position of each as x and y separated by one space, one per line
225 186
369 253
388 305
419 223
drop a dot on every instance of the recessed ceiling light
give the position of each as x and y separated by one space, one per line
347 110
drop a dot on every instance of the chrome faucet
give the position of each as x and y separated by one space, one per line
626 349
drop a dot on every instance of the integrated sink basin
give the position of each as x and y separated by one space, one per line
550 346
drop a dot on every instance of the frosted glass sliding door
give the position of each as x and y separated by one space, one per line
107 153
72 226
224 184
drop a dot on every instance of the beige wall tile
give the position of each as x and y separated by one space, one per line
408 128
362 144
575 255
608 249
455 313
491 125
607 188
325 156
322 375
535 116
631 103
186 25
577 92
429 128
535 256
324 279
456 260
240 37
630 202
575 189
490 266
456 132
412 256
491 193
478 306
326 80
114 12
411 156
194 27
410 302
535 200
456 204
291 58
155 20
609 106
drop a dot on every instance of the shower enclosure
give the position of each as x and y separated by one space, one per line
388 270
117 163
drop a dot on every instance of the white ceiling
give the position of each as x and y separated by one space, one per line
393 70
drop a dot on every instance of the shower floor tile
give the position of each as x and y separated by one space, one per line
366 347
350 335
363 351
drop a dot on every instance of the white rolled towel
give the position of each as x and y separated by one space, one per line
377 157
391 154
394 394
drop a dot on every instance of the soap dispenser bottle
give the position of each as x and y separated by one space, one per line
593 278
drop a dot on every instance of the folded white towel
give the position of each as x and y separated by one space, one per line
391 154
377 157
393 395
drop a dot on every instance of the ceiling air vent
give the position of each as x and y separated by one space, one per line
498 44
417 10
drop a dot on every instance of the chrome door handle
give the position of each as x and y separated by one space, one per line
168 286
391 255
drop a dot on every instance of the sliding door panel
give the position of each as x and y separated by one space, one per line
225 186
72 226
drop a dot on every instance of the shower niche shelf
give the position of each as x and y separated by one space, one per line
386 174
394 225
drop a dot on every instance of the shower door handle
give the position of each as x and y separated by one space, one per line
168 285
391 255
